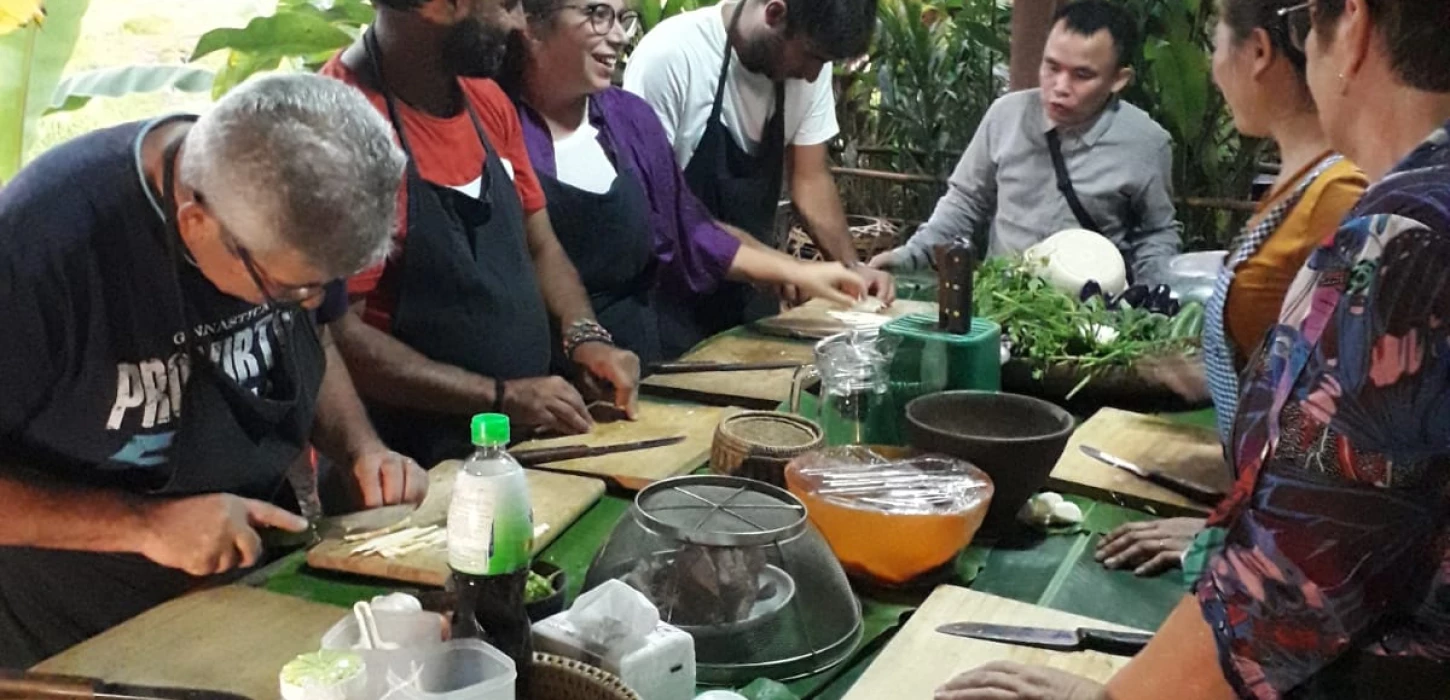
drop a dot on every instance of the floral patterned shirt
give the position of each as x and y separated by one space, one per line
1335 536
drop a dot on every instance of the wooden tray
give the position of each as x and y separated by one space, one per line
1186 451
920 659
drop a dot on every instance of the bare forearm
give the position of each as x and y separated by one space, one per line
341 429
559 283
48 515
813 192
761 266
385 370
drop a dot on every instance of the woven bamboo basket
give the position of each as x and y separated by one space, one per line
870 234
558 678
758 444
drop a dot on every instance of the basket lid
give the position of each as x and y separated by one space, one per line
720 511
768 431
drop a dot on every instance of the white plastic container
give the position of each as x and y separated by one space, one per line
461 669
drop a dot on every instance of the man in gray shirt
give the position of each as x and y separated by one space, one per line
1118 160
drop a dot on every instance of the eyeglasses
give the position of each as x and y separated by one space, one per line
1299 20
602 17
274 293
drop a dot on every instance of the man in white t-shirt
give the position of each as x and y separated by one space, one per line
716 76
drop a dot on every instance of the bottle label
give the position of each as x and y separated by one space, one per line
490 524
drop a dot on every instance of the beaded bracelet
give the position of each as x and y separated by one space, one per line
584 331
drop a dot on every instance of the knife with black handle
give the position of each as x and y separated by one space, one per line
1189 489
1080 639
15 685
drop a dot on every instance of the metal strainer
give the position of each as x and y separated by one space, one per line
735 563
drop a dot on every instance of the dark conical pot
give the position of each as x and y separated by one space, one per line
1015 439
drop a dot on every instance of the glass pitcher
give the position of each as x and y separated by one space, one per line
853 371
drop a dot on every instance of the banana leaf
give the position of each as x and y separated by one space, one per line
31 62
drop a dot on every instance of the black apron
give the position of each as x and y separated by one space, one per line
740 189
468 295
228 440
608 239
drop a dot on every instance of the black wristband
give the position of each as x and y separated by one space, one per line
498 389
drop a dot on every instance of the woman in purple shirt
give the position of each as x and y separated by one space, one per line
617 199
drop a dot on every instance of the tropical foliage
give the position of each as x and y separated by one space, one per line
32 58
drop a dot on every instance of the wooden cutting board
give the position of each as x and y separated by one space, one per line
1186 451
762 390
813 320
233 638
656 419
558 500
920 659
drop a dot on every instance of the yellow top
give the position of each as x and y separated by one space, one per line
1261 282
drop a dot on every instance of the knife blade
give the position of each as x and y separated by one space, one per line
545 455
1187 488
22 684
1080 639
692 367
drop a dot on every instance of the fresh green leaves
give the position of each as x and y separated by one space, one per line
31 62
1047 327
302 32
78 89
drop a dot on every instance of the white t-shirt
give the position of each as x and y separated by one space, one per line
580 161
676 68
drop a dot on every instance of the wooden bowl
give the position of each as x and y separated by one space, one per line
758 444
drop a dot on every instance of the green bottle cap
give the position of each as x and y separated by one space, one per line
490 429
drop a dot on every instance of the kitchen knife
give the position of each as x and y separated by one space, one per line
1080 639
545 455
1187 488
41 686
692 367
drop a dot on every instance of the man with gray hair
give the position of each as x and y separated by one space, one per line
165 358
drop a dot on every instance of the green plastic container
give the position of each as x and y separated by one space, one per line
928 360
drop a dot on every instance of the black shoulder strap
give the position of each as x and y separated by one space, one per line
1064 184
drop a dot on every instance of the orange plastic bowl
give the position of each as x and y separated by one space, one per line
882 547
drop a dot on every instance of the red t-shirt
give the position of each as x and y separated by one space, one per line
447 152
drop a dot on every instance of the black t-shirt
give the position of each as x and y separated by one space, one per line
92 326
93 359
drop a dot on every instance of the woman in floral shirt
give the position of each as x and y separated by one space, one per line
1328 569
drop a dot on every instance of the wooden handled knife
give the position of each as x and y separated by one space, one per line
955 263
43 686
545 455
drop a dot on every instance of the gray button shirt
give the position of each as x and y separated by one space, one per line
1121 166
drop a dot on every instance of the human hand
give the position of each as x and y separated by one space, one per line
608 366
550 404
209 534
383 477
879 283
1152 547
890 260
1005 680
829 281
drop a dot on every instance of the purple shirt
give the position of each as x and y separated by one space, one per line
693 252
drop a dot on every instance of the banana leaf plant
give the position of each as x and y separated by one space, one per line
32 57
301 34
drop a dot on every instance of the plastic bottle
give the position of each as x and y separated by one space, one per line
490 539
